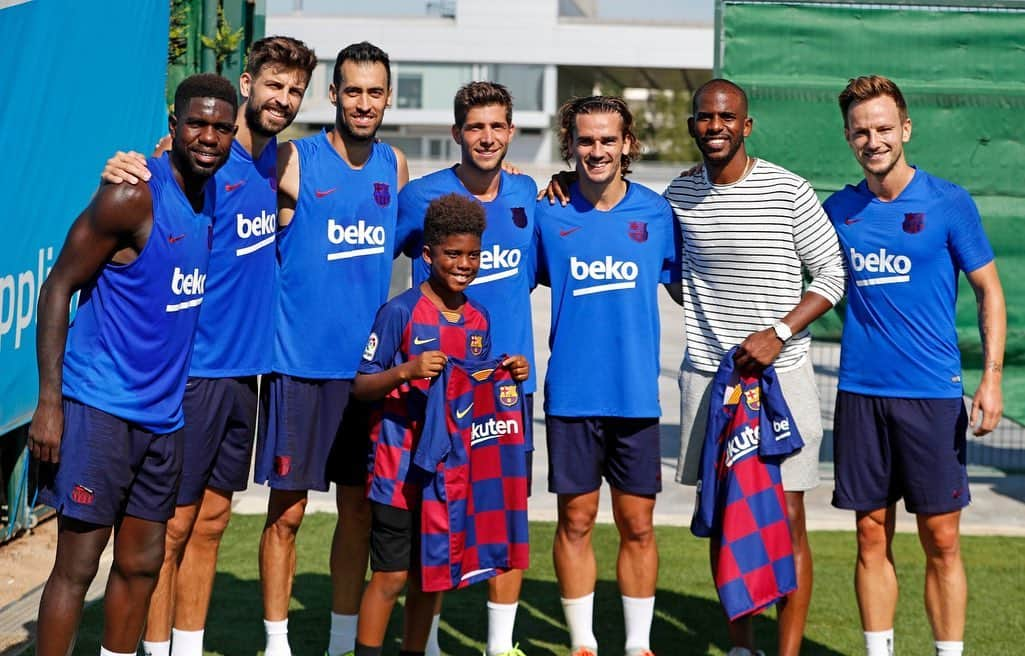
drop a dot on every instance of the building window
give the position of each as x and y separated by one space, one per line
409 87
525 83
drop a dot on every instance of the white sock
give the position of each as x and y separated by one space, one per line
342 639
433 648
277 638
501 619
186 643
637 615
879 643
949 647
162 648
106 652
579 620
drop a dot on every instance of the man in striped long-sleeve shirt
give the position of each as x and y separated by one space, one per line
749 228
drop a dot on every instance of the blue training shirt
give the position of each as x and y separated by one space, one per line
129 345
235 335
903 259
334 260
604 268
507 254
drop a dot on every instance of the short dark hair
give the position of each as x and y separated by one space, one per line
363 52
716 82
204 85
453 214
481 94
597 105
868 87
283 51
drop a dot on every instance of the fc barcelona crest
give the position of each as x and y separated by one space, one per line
476 344
638 231
914 222
753 398
519 216
381 194
508 395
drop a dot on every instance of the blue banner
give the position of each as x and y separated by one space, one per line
80 80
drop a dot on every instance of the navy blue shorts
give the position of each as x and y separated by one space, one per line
311 433
110 468
885 449
626 451
220 423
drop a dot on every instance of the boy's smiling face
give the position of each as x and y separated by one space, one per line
455 261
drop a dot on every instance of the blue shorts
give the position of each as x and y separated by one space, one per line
311 433
626 451
220 423
110 468
888 448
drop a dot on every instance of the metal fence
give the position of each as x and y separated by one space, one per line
1003 449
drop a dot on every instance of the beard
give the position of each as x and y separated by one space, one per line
253 117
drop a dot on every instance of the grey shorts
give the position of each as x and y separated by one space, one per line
800 471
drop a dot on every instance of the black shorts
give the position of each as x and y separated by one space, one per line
394 538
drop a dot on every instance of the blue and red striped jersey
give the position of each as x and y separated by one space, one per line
740 501
474 513
405 327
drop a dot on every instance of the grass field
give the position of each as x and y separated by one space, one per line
688 617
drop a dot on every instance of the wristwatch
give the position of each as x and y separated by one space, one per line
782 331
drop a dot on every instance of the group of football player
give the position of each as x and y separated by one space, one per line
234 286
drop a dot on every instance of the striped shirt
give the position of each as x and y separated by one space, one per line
744 245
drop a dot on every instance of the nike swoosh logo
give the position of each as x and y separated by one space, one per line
233 187
418 341
851 221
461 414
326 192
173 239
566 233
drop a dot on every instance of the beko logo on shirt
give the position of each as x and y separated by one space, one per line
263 225
186 284
896 267
608 269
505 260
360 234
492 428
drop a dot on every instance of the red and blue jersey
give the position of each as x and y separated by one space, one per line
474 512
405 327
740 502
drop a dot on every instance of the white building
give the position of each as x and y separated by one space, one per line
544 51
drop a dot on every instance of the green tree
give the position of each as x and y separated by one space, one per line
225 41
178 33
662 127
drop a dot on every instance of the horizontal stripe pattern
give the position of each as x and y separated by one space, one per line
745 247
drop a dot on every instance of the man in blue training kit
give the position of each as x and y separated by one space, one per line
604 255
900 418
107 429
483 129
337 209
233 344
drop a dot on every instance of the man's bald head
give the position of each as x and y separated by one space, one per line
719 84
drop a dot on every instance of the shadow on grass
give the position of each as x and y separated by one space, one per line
684 625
